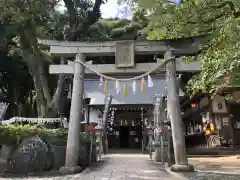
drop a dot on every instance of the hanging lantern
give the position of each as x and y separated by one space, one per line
193 105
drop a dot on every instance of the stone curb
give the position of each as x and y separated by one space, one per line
177 175
219 172
180 176
86 171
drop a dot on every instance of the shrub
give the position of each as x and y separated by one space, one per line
14 134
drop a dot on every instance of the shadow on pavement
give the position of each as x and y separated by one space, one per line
37 174
96 166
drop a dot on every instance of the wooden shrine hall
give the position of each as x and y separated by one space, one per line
130 64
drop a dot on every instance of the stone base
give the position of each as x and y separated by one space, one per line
70 170
182 168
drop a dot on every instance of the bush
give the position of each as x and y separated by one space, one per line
14 134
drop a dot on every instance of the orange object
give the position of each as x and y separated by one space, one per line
143 85
193 105
105 86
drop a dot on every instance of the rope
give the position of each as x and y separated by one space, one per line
128 79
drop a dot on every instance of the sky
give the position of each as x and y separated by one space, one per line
109 10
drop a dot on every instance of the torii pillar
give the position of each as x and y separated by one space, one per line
173 107
72 151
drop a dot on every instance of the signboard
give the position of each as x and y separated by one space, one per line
124 55
225 121
218 122
219 104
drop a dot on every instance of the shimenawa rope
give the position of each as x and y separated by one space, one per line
128 79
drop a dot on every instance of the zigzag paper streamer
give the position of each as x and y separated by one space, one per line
150 82
105 86
118 88
101 81
124 90
134 87
143 85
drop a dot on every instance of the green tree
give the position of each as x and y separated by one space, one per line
26 21
217 19
16 86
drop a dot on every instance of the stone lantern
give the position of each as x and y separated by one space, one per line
99 136
150 136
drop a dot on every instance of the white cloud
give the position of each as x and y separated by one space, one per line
110 9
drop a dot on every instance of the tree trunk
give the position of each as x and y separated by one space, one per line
40 99
32 56
58 95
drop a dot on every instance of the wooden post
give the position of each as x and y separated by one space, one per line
93 149
143 135
169 155
157 155
108 102
72 150
173 107
162 148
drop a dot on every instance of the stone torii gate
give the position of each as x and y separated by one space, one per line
124 52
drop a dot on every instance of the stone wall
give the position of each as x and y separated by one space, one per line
36 155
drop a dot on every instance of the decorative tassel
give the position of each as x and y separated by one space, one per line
101 81
105 86
134 87
124 90
118 88
143 85
150 82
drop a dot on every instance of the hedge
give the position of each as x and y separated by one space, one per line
14 134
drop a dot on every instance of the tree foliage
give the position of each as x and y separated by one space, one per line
26 21
218 19
23 22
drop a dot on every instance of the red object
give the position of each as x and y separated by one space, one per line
91 128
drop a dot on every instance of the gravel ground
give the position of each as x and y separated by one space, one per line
210 176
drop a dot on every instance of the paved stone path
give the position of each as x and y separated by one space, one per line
127 167
115 167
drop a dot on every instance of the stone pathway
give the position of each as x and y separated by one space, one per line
116 167
127 167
